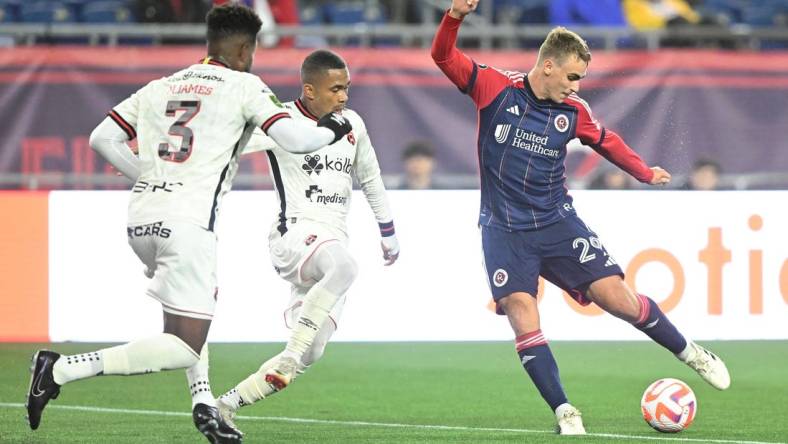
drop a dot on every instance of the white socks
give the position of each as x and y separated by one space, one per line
318 303
251 389
73 367
199 385
160 352
685 354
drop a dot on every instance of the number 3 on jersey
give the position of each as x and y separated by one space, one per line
179 128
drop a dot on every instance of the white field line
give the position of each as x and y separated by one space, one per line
386 424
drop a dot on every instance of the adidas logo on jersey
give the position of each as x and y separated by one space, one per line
514 110
502 132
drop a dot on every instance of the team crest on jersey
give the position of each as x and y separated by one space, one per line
500 277
502 132
561 123
310 239
483 66
312 164
351 138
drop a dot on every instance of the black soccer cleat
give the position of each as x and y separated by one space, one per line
42 385
210 423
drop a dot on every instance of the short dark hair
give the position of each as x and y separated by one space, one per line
418 148
230 20
318 62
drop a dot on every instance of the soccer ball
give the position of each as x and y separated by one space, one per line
669 405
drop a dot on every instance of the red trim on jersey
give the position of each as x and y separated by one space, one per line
528 340
125 126
606 142
301 107
481 83
273 119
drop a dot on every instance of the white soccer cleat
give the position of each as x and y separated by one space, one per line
570 421
709 367
227 412
282 373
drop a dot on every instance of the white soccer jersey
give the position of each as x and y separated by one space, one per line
192 127
319 185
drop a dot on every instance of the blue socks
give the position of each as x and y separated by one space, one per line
541 367
658 327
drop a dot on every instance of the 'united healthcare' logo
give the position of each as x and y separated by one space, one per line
502 132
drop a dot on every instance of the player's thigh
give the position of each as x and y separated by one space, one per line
511 263
574 258
290 251
184 262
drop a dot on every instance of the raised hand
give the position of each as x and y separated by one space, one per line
461 8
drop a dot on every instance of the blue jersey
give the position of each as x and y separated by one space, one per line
522 140
522 147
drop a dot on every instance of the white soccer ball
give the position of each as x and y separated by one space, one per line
669 405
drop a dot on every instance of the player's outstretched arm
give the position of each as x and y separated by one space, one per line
456 65
298 137
367 171
109 140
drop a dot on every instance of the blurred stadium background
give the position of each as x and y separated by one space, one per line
704 82
699 87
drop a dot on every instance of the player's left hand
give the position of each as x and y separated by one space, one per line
661 177
390 249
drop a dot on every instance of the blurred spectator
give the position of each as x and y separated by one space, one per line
646 15
611 179
705 176
418 161
584 12
168 11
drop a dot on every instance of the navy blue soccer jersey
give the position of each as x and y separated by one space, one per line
522 140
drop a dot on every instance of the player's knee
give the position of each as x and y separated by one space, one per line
344 273
518 302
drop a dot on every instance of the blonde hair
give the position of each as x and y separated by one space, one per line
560 43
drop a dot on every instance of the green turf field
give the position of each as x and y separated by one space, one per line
413 393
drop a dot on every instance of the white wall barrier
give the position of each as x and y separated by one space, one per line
717 262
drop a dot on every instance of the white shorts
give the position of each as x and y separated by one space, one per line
183 258
293 311
291 251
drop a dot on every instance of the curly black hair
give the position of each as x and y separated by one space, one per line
229 20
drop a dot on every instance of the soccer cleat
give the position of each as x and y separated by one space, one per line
42 385
570 422
709 367
226 412
210 423
281 374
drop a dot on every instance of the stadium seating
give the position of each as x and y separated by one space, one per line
105 12
46 12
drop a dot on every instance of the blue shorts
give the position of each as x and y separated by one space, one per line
566 253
